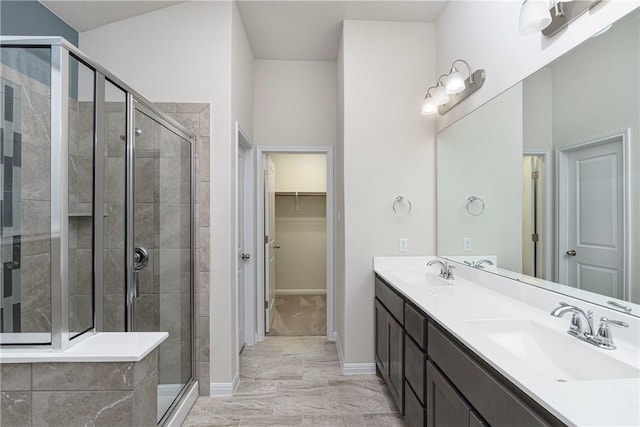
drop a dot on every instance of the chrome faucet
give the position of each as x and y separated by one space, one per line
602 339
446 270
480 263
576 328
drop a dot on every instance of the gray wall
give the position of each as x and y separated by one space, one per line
30 18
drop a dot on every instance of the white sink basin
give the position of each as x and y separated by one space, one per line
422 278
555 355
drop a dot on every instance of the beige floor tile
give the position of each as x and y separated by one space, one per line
354 420
297 381
273 420
383 420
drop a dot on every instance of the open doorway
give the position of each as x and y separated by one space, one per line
536 215
297 224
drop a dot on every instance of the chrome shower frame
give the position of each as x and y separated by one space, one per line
61 51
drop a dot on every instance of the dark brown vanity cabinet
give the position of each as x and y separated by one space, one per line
447 407
436 380
389 340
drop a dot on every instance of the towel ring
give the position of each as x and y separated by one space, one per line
400 201
477 210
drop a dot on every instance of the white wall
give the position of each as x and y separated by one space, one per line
389 150
185 53
300 172
485 34
468 150
339 233
295 103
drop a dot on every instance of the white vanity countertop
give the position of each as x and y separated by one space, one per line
455 305
100 347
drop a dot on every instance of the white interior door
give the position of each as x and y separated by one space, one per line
242 256
591 220
270 240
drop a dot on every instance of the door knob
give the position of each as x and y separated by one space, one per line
246 256
571 252
276 246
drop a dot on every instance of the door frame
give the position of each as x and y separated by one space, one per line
548 248
244 143
561 205
259 309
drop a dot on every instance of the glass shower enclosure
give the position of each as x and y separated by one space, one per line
97 200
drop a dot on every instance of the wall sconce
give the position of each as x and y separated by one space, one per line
445 95
550 16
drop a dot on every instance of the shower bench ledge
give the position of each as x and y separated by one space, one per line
99 347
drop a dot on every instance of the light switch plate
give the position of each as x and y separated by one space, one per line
466 243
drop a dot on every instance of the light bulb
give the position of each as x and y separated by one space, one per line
534 16
440 95
455 82
429 105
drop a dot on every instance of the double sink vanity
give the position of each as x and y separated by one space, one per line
478 349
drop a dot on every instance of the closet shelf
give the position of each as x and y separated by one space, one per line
300 193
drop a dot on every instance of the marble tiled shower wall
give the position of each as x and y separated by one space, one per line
25 156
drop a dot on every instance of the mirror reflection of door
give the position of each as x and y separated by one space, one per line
592 229
532 214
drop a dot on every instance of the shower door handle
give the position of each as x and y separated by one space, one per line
136 282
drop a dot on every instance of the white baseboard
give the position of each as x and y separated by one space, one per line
182 410
301 291
224 389
352 368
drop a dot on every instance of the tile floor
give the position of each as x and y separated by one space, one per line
297 381
302 315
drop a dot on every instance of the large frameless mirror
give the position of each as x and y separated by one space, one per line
541 184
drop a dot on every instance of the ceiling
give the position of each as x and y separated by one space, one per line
307 30
310 30
83 15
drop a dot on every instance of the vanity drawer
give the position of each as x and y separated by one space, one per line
392 301
498 405
416 325
414 412
414 369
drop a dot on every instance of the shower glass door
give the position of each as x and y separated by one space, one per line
161 251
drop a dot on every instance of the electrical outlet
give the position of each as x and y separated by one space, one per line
466 243
403 244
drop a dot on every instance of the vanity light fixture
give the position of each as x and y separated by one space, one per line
429 105
454 89
551 16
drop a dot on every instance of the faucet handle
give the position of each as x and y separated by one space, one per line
618 323
449 273
604 338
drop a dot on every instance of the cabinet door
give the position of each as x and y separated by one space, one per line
396 360
414 413
382 343
445 407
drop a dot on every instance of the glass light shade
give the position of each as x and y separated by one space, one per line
455 82
534 16
429 105
440 94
